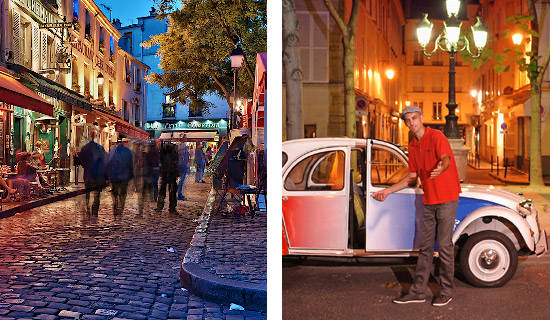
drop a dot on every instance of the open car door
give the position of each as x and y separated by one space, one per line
391 225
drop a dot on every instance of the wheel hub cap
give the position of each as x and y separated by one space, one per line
489 259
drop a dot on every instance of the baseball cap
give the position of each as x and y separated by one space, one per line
409 110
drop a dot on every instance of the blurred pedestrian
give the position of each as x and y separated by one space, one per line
120 170
168 175
93 158
151 167
200 162
183 166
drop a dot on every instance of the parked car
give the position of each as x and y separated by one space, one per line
328 210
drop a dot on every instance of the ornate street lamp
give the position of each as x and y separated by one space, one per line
451 42
237 56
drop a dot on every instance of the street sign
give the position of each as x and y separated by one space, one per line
504 126
361 103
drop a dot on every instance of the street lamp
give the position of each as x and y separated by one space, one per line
237 56
451 42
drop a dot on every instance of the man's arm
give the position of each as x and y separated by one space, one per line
383 194
442 165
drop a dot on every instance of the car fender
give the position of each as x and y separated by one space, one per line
497 211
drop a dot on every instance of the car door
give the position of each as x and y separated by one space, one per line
316 200
391 225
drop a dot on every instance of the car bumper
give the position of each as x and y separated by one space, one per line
542 245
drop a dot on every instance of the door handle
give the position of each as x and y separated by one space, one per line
285 198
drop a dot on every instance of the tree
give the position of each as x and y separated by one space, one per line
293 72
195 50
348 35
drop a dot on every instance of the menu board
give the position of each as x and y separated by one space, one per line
218 157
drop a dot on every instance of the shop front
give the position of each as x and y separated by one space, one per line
210 130
19 106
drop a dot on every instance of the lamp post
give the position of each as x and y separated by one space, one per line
237 56
451 42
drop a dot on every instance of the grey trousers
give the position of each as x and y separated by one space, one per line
441 217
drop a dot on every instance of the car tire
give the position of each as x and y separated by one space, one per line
488 259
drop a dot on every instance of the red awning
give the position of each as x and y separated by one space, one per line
130 130
14 93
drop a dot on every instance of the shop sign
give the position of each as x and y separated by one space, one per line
38 9
104 66
81 47
185 125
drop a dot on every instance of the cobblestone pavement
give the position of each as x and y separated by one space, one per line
236 248
56 263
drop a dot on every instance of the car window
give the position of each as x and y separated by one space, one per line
285 158
387 167
321 171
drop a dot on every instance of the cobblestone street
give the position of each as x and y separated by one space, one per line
56 263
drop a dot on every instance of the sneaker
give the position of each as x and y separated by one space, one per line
173 211
158 209
182 198
409 298
441 301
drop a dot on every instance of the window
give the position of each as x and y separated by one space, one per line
419 104
138 79
75 10
168 110
111 46
137 116
88 28
111 97
86 80
127 70
128 39
125 111
436 111
195 112
417 82
418 58
387 167
310 131
321 171
101 40
313 45
284 158
437 83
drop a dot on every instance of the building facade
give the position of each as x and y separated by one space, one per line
503 102
379 74
163 114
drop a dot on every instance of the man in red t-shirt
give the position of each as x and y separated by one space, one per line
431 159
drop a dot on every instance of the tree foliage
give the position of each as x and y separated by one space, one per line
195 50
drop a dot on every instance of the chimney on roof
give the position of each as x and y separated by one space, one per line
153 12
117 23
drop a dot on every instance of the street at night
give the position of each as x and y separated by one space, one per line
328 290
55 262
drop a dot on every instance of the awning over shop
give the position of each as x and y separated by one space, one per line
130 130
52 88
188 136
13 92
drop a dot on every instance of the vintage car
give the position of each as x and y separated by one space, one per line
328 210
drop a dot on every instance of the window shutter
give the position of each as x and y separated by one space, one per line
35 47
44 51
16 37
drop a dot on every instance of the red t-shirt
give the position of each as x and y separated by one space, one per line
423 158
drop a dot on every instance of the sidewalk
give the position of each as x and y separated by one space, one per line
10 208
509 176
227 258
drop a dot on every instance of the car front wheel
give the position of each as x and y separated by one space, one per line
488 259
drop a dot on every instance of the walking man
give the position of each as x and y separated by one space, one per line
168 174
200 162
431 159
92 157
120 170
183 166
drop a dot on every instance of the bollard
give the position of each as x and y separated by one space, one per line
491 163
505 167
497 166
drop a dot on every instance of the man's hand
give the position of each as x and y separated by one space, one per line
442 165
437 171
380 195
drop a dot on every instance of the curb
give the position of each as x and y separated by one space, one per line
209 286
40 202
